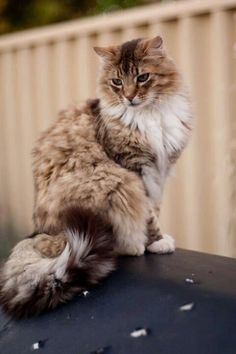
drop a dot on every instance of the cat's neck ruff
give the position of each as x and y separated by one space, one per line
162 111
163 122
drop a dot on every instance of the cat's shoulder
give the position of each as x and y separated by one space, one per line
72 125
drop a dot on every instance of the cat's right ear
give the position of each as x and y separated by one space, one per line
106 53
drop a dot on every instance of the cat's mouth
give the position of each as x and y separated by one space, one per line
133 104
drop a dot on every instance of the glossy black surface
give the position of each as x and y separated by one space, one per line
145 292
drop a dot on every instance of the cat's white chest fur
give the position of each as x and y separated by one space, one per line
163 124
164 128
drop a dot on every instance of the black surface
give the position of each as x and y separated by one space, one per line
145 292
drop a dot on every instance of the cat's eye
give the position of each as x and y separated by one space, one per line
116 82
143 77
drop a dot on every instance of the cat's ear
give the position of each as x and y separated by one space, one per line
106 53
152 46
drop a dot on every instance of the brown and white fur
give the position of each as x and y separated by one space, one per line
99 175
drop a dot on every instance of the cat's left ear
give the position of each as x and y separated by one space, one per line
152 46
106 53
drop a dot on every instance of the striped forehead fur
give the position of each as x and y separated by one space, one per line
127 56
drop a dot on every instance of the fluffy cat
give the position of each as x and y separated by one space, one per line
99 174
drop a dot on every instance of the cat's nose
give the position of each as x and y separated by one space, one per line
130 97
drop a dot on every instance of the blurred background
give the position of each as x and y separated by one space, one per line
43 70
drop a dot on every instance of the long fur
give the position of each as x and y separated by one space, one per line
110 156
31 283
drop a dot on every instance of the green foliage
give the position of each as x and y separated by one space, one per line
20 14
111 5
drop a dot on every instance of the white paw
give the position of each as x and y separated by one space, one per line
165 245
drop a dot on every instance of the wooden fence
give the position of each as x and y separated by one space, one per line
44 70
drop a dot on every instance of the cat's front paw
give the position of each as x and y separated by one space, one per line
136 249
165 245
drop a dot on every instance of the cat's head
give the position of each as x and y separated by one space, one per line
136 73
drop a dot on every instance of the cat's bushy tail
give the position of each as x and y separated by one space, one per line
31 283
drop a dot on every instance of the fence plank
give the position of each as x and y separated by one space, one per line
82 50
11 130
61 74
232 238
42 87
221 76
26 131
4 182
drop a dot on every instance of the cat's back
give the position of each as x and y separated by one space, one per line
72 125
71 136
